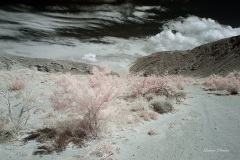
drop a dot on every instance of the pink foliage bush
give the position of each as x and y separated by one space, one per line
181 81
88 97
99 74
231 82
16 85
216 82
146 85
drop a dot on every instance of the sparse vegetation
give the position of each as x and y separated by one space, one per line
152 132
16 85
87 97
17 105
82 111
148 115
230 83
179 96
143 86
104 150
162 106
57 138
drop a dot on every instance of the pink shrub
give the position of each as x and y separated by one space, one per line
88 97
99 74
231 83
215 82
182 81
180 85
16 85
146 85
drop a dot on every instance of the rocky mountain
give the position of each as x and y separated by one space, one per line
219 57
8 61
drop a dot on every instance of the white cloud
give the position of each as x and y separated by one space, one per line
188 33
89 57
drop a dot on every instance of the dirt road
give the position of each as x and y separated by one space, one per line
206 127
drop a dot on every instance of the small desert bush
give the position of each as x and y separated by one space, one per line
179 96
215 82
16 108
16 85
181 81
145 115
142 86
87 97
59 136
153 115
137 108
231 82
233 79
152 132
105 149
162 106
180 85
234 86
148 115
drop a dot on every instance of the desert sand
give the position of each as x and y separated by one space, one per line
203 126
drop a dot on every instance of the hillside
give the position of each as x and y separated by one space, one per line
219 57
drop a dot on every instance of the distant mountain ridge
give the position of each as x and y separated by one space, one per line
219 57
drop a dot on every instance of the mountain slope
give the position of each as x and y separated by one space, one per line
219 57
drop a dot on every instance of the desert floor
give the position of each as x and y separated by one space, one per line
204 126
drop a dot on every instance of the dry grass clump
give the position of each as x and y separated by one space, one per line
39 111
104 150
137 108
148 115
149 97
152 132
16 85
153 115
57 138
145 115
162 106
179 96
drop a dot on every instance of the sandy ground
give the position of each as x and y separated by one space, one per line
204 126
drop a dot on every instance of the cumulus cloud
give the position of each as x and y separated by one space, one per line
89 57
188 33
